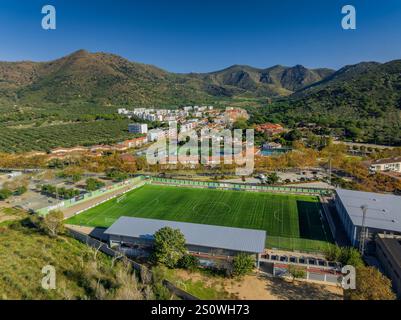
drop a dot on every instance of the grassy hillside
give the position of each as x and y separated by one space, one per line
24 253
80 273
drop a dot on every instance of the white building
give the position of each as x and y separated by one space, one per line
155 134
122 111
138 128
391 164
170 118
14 174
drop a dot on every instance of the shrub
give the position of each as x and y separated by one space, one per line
93 184
296 272
20 190
5 193
370 285
243 264
188 262
52 223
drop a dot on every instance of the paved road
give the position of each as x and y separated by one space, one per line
70 211
367 145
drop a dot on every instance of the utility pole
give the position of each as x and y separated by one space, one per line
362 235
330 169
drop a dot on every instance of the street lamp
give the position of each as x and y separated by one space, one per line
362 238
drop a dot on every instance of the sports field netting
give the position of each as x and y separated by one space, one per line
291 221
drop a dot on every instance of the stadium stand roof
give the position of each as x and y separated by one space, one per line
384 210
238 239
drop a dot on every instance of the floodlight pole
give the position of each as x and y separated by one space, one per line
330 170
362 238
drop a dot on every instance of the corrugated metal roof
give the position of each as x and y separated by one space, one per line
246 240
384 210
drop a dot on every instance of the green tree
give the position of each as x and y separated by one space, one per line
273 178
117 175
241 123
169 246
93 184
52 223
351 256
189 262
296 272
353 133
370 285
333 252
293 135
243 264
344 255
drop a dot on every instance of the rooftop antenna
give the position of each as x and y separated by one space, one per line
362 235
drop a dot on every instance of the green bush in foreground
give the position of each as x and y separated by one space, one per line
5 193
169 246
371 284
296 272
344 255
188 262
243 264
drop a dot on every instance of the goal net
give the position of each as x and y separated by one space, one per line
121 198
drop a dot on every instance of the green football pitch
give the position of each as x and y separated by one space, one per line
291 221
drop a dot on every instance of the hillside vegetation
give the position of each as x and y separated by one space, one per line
81 272
107 78
360 102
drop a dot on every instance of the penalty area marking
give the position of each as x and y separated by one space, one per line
121 198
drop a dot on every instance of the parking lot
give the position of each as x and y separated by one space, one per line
33 199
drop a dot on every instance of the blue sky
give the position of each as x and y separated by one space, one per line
207 35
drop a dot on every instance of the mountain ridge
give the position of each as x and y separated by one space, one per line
109 78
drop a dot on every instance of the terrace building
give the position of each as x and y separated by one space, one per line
391 164
136 142
209 243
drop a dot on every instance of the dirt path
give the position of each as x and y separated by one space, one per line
263 288
258 287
